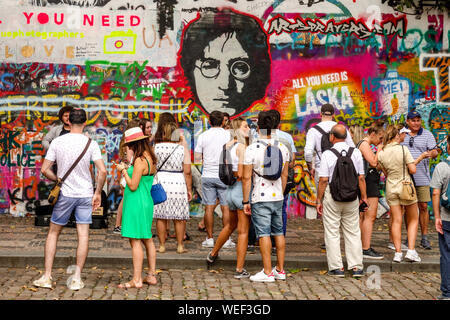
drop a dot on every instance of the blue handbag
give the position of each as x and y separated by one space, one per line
158 193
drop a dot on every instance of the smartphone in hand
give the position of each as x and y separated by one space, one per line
363 206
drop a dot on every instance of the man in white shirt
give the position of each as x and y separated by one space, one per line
313 139
266 199
207 151
337 213
76 194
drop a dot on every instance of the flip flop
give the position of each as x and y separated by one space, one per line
186 237
203 229
128 285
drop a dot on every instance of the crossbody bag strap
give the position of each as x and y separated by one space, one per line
167 159
404 163
78 160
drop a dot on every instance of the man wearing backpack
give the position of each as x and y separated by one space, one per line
317 138
441 210
207 151
316 141
341 173
266 161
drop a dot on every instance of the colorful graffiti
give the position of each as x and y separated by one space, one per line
125 59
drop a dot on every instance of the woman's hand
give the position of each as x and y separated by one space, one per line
189 194
121 166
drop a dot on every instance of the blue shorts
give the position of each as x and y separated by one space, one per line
65 206
235 196
213 189
267 218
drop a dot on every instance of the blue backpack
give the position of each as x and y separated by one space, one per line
445 198
273 161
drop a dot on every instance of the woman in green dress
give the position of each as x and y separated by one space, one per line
137 214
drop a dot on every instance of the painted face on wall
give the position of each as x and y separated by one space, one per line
221 76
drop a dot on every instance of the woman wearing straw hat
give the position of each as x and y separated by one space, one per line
137 216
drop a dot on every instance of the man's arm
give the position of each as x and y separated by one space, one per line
47 171
362 187
52 134
246 186
436 199
101 178
323 182
284 175
309 149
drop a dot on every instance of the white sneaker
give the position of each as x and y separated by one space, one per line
263 277
75 284
398 256
208 243
279 275
229 244
392 247
412 256
43 282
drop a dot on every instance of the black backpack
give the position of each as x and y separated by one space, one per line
226 167
325 143
273 161
344 183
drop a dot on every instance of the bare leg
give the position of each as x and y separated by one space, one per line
161 230
138 258
225 233
83 247
396 229
50 247
242 242
119 214
209 220
280 244
367 222
265 246
151 259
413 224
424 217
180 229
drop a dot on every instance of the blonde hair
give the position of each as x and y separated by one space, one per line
357 133
236 133
169 133
391 132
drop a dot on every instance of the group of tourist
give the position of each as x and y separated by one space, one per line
347 175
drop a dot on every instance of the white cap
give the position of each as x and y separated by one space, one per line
405 130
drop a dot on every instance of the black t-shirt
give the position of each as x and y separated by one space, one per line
64 131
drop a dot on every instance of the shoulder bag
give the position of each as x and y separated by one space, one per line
158 193
54 193
408 191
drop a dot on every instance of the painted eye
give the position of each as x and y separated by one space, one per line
210 68
240 70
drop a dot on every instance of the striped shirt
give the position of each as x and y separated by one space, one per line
423 141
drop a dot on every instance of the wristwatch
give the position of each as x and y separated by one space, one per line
245 202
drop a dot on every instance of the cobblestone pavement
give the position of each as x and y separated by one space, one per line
201 284
304 238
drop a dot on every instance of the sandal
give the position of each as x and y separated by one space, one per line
149 282
181 249
128 285
200 228
162 248
186 237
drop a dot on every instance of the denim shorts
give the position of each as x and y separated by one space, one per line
235 196
213 188
66 205
267 218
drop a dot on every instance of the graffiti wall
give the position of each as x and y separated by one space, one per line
121 60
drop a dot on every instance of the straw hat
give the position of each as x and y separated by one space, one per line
134 134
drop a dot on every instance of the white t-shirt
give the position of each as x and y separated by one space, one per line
264 190
64 150
313 139
210 144
329 161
